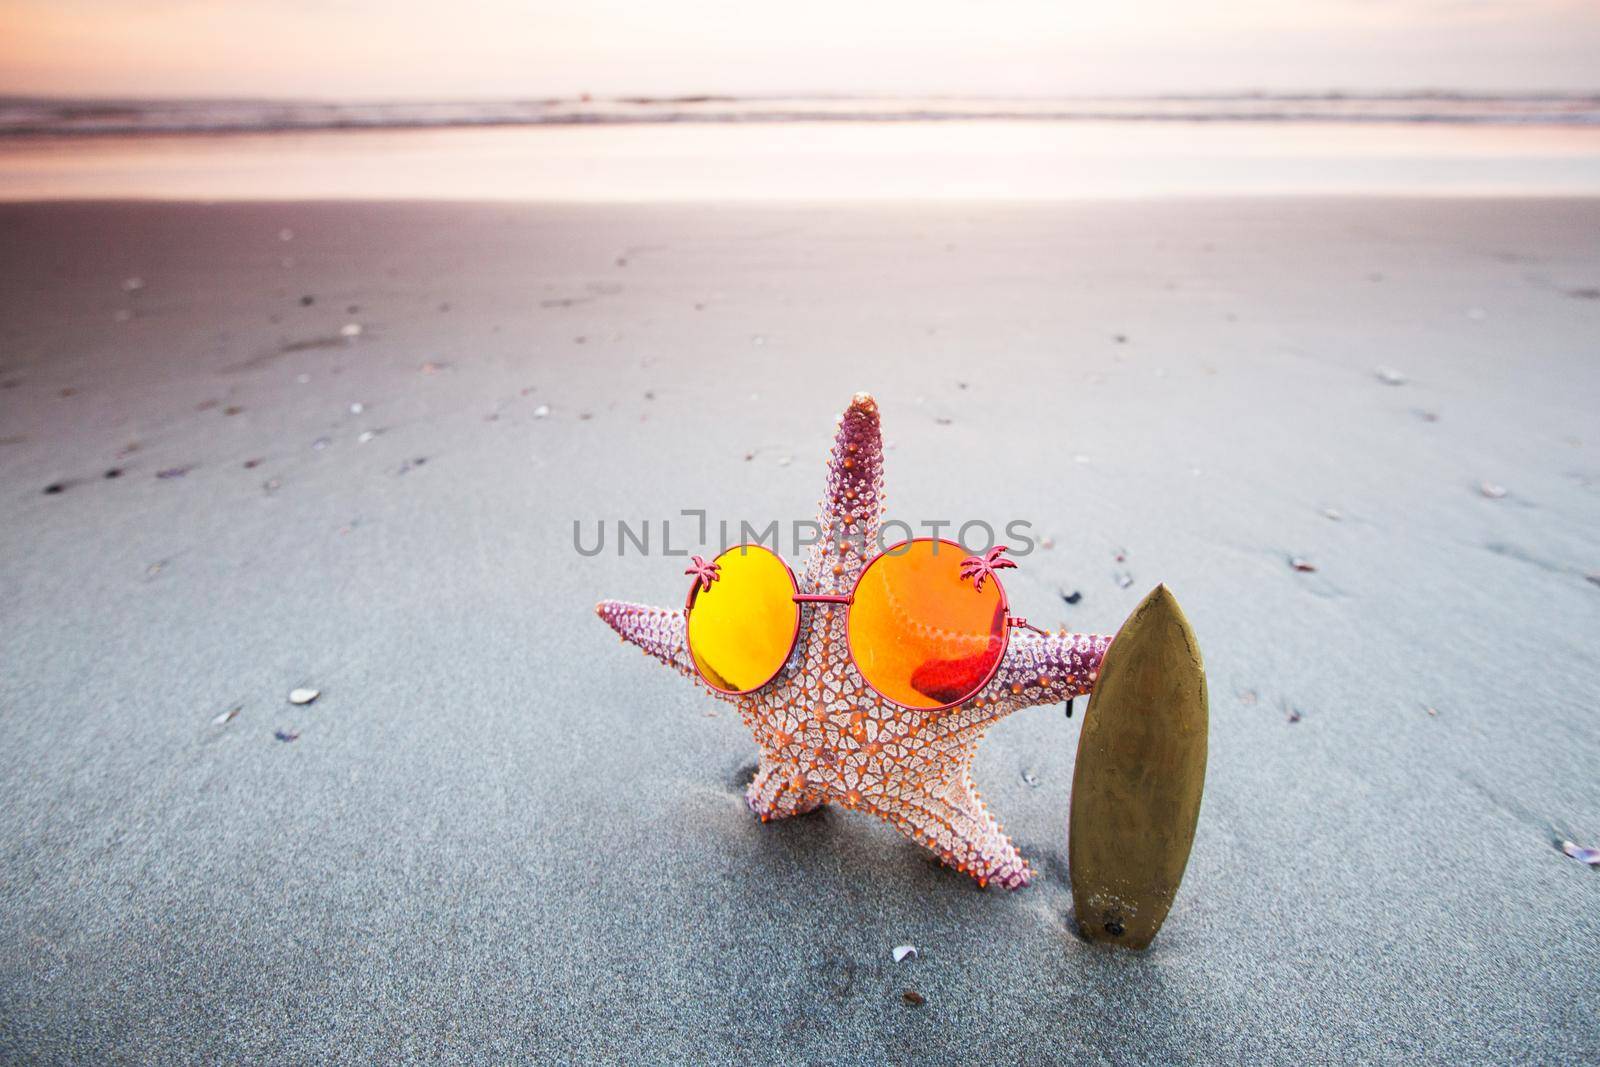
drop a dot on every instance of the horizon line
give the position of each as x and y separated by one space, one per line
1287 94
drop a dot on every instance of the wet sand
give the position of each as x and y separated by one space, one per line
894 162
497 834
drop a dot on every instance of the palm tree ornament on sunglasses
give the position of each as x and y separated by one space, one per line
869 681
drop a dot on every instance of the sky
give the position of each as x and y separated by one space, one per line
378 49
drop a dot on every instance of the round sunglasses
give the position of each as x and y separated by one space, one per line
926 624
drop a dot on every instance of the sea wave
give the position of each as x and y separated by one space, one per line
32 116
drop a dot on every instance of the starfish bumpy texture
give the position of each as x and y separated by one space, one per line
826 737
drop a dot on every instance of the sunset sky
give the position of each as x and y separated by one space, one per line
498 48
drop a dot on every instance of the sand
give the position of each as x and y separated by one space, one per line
500 835
817 161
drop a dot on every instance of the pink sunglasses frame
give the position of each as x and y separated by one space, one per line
981 568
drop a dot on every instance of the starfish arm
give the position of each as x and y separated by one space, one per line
852 504
951 819
658 631
1037 669
778 791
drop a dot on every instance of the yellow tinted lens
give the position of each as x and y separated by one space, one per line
742 629
922 635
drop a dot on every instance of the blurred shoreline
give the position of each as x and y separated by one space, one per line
833 161
40 116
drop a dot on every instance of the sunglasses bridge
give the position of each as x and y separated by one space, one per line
847 598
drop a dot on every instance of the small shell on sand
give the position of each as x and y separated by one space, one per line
1582 854
303 696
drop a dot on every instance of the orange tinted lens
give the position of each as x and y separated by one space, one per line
922 635
742 629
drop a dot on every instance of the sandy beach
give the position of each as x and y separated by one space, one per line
251 447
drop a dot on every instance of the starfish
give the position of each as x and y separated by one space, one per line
826 737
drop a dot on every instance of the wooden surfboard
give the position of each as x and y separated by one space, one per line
1140 772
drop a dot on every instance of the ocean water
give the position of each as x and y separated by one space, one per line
827 148
20 116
